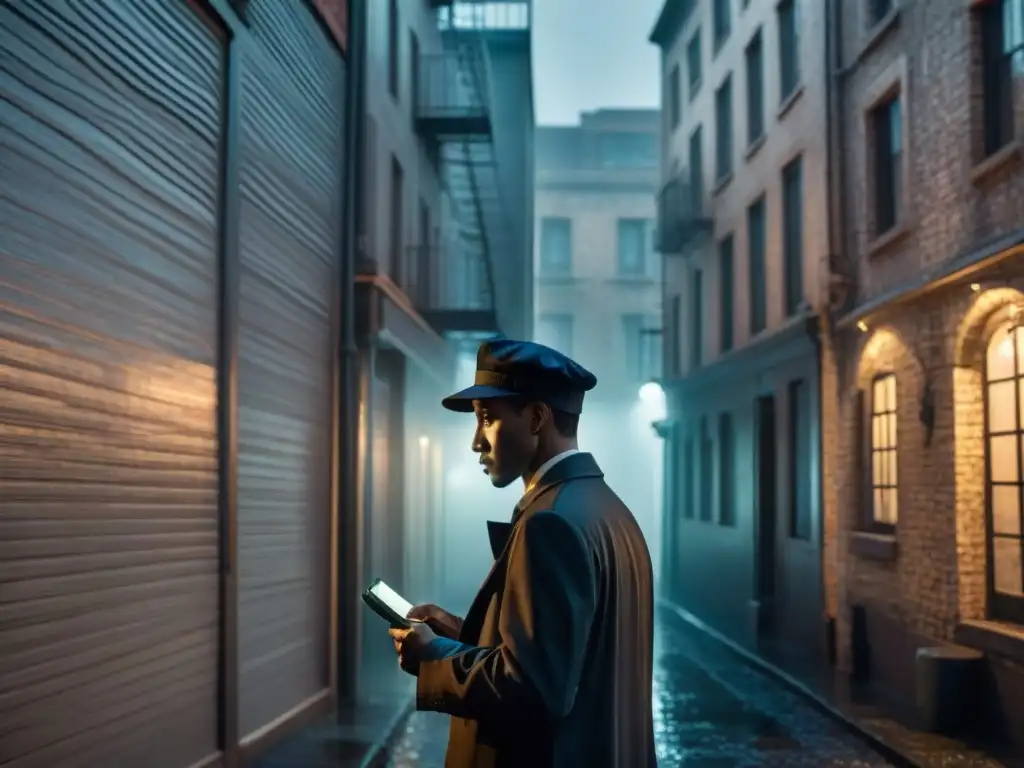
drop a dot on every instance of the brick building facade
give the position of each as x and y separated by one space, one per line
922 463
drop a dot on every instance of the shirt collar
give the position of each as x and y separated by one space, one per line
547 465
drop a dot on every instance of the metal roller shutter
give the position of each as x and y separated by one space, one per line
111 122
290 239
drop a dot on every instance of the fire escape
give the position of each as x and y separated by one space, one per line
454 113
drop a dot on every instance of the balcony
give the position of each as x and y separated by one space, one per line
452 101
682 215
452 288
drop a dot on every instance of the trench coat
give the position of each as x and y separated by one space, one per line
554 661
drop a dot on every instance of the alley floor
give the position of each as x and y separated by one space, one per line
712 710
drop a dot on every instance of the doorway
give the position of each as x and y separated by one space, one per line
765 522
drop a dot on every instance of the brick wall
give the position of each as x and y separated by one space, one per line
953 200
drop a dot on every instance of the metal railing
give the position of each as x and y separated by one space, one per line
485 15
682 214
447 279
448 90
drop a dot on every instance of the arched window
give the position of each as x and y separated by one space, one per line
1004 429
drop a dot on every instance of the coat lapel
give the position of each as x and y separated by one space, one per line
499 534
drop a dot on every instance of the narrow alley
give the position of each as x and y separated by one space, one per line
711 711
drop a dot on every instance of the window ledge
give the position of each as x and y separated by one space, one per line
887 240
881 547
721 184
754 146
995 162
992 637
789 101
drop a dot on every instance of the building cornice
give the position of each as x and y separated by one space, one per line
673 17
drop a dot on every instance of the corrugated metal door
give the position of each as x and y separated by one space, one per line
292 113
110 129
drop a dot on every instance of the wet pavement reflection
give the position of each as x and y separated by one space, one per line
711 711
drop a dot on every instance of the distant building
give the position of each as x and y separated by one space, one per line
598 283
924 455
743 226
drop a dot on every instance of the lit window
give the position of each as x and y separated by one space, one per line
884 502
1004 420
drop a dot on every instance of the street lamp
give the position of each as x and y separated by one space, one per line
652 401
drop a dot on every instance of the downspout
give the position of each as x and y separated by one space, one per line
349 527
834 178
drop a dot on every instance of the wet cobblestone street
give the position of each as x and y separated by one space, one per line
711 710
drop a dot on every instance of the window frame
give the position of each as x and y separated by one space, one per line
545 265
705 480
757 268
872 522
696 318
997 75
1003 606
621 225
755 104
793 237
789 48
721 23
726 470
674 88
726 293
394 53
694 64
887 161
724 134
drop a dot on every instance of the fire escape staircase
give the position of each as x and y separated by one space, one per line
454 111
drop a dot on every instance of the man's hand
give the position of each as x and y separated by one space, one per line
411 645
443 623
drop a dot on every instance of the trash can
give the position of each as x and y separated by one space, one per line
948 679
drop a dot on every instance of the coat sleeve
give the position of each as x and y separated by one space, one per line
547 610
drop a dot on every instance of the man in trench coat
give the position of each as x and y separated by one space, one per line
552 665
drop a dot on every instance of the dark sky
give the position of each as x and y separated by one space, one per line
593 53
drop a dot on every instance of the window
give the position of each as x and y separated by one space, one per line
693 63
884 498
632 234
696 318
673 98
723 129
393 52
639 343
754 57
397 224
1002 43
688 479
756 266
725 293
887 135
878 10
556 331
793 235
722 21
367 251
625 149
789 48
676 319
555 247
414 75
726 471
697 169
799 460
1004 430
705 480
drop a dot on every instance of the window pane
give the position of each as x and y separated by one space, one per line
1006 509
878 396
876 432
877 505
885 506
891 469
890 389
1006 554
891 418
876 469
1002 406
1000 355
1003 457
1019 333
892 506
1020 403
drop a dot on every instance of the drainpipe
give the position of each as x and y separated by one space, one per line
349 527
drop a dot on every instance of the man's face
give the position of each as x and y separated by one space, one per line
505 438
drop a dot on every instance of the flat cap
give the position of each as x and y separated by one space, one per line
508 368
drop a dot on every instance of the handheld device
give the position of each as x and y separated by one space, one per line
388 604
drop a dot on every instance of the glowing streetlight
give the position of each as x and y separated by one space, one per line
424 442
652 400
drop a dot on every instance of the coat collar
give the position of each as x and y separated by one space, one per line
574 467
